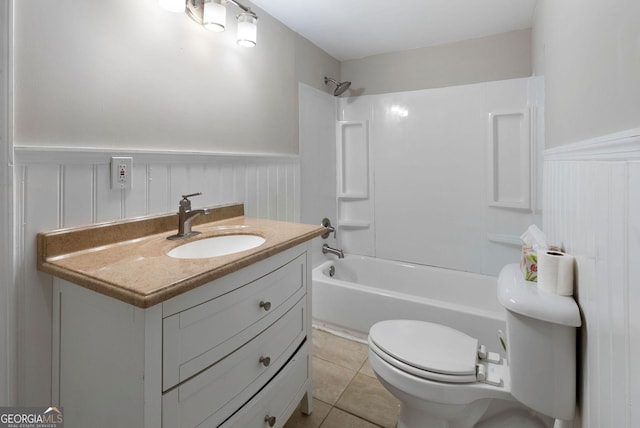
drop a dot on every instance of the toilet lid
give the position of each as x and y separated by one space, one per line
427 346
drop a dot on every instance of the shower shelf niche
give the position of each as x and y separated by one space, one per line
353 160
354 224
354 181
510 139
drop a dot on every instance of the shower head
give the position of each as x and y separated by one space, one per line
340 87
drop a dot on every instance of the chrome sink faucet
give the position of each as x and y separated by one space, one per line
186 216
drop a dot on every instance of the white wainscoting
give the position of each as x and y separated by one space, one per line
8 394
592 208
58 188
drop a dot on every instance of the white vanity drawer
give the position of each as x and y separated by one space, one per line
277 401
198 337
217 392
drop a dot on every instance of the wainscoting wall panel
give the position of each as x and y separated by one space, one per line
592 209
57 188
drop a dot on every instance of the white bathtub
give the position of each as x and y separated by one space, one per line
365 290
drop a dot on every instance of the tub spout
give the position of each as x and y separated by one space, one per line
327 249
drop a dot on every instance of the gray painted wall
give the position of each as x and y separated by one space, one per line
128 74
499 57
589 55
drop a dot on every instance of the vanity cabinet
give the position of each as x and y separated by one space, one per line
231 353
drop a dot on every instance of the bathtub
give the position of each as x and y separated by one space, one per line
365 290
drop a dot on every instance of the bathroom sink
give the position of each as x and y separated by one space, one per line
216 246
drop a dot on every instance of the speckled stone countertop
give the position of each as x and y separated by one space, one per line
128 259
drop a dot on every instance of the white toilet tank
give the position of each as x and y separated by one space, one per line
541 344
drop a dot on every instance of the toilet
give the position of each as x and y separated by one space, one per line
444 378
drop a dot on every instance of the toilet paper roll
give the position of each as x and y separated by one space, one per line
555 272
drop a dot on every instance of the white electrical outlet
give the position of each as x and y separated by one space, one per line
121 170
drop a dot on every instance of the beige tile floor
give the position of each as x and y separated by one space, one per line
346 393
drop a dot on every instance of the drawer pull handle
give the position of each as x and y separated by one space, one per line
265 361
271 420
265 305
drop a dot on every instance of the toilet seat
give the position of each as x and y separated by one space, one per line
427 350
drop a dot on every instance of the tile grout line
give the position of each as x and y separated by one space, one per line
335 406
343 366
354 374
325 416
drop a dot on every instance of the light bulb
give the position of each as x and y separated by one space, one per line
214 17
247 29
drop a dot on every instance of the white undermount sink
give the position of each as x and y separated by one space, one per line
216 246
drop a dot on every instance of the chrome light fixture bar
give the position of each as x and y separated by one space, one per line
211 14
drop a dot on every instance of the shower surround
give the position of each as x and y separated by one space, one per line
445 177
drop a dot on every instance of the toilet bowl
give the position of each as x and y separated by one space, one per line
444 379
433 371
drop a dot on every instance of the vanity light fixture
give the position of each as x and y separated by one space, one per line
212 15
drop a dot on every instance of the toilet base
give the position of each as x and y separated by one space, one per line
509 414
434 415
420 405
